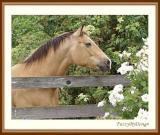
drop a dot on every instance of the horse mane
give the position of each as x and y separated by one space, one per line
42 51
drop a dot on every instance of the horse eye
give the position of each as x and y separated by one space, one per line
88 44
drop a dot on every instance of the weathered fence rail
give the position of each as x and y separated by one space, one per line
68 81
69 111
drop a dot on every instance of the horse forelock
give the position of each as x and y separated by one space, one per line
42 51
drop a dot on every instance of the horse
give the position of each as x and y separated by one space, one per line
52 59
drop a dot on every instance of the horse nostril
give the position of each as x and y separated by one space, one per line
108 62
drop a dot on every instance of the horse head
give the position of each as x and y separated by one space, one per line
85 52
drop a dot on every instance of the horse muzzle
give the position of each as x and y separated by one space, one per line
105 65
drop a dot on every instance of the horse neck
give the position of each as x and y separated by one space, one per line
55 63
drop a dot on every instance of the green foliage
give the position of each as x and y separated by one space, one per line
22 25
27 44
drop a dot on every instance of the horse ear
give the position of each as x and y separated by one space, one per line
80 31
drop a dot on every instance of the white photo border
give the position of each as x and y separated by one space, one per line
10 10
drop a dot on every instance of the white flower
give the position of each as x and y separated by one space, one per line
142 65
86 99
142 115
122 71
124 68
145 98
83 97
125 64
120 55
118 88
120 19
115 95
124 54
139 53
143 52
119 97
132 89
106 114
124 108
100 104
145 41
130 68
112 99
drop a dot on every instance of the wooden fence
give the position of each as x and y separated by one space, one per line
67 111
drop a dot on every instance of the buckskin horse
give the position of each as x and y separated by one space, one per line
53 59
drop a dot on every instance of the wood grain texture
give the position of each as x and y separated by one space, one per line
69 111
68 81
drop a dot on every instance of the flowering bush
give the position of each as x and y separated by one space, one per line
132 102
142 115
